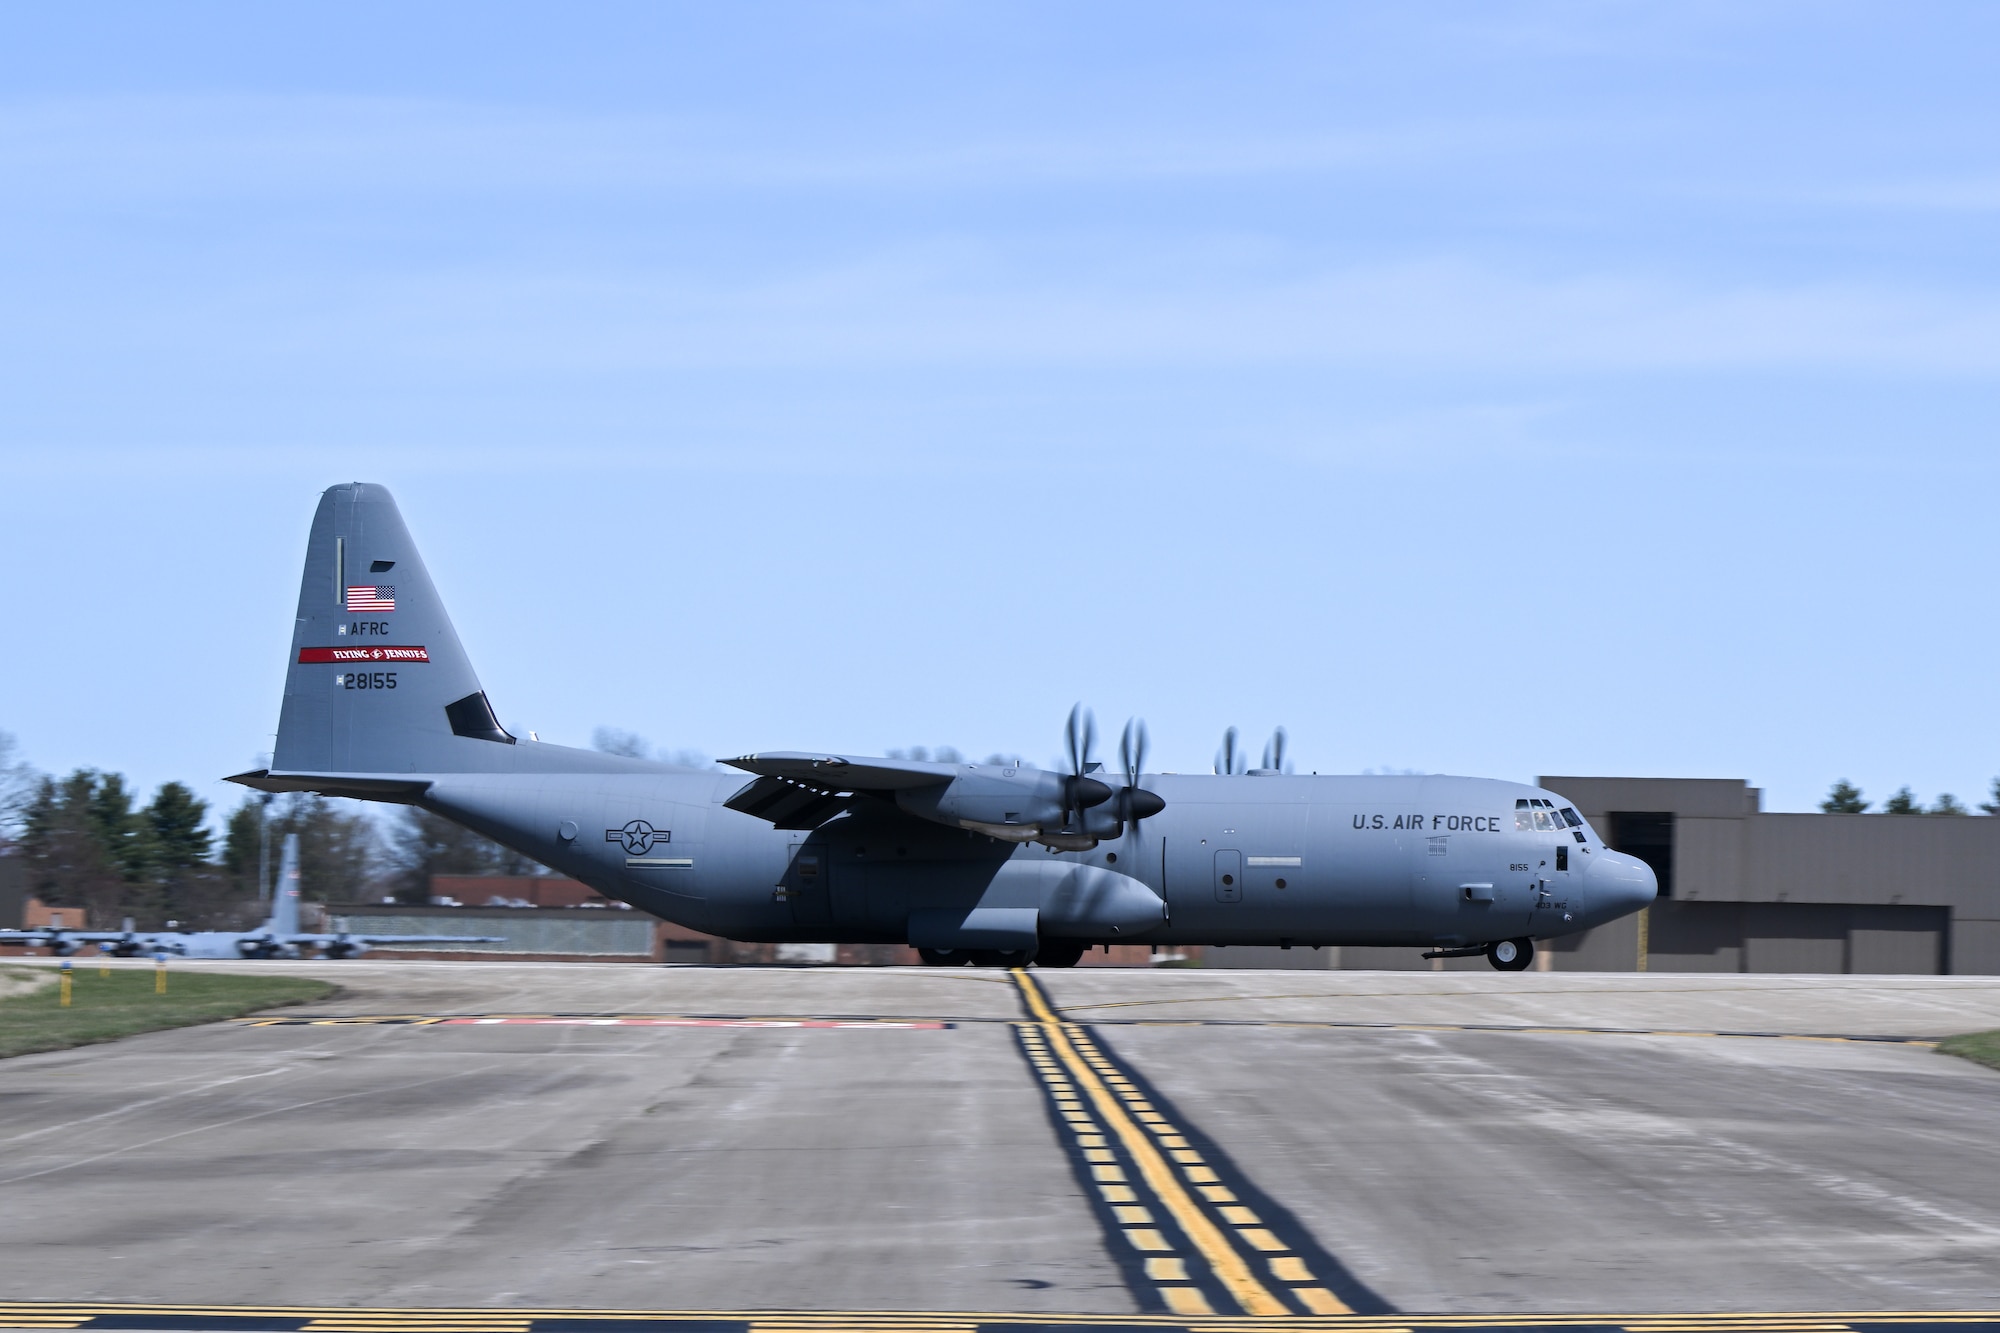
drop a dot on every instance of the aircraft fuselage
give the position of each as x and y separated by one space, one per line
1258 859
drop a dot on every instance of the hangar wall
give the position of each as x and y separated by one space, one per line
1744 890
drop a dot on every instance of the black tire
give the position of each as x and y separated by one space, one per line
1511 955
1060 955
1002 957
944 957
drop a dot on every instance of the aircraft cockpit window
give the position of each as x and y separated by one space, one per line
1535 815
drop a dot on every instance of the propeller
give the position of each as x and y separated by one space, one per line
1081 792
1229 759
1274 752
1135 802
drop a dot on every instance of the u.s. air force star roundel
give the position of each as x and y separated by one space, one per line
638 836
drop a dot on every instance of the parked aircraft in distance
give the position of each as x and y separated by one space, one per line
278 937
991 864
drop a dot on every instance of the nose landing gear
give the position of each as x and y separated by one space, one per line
1511 955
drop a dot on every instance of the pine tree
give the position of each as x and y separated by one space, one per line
176 818
70 861
1992 807
126 837
1904 802
241 841
1844 799
1947 804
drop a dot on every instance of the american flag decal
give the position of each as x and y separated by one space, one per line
380 597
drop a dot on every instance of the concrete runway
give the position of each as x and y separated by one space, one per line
1117 1143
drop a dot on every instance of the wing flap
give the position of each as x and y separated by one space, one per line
788 804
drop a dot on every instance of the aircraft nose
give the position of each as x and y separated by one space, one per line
1617 885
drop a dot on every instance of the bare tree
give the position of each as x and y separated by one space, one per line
422 844
18 781
617 740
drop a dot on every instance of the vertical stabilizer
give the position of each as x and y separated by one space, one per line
285 903
378 682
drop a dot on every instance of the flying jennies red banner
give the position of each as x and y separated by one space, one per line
370 654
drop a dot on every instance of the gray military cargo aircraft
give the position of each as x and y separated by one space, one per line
981 863
278 937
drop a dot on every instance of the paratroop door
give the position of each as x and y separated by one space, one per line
1229 876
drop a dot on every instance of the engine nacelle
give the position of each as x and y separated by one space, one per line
1015 804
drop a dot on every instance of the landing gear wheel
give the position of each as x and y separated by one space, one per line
1060 955
1511 955
1002 957
944 957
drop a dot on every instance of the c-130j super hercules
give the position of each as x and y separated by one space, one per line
995 865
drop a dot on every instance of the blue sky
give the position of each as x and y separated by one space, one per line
1485 388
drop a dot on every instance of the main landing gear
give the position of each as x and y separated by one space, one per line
1060 955
1047 955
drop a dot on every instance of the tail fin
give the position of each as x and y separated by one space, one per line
378 682
285 903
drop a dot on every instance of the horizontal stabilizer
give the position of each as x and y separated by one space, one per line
405 791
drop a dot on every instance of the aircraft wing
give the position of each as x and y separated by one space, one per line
39 938
357 937
846 772
796 790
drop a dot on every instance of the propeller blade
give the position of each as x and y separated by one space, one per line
1274 751
1135 802
1132 750
1081 734
1227 759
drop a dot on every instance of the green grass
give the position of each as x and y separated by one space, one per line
1983 1047
105 1008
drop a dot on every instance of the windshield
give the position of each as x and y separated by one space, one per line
1535 815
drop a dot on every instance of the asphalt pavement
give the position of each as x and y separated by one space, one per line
1094 1142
